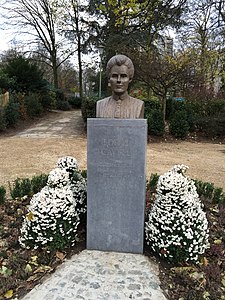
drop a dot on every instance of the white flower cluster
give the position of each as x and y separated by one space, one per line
54 213
68 163
177 227
58 178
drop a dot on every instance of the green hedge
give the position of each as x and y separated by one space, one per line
88 108
155 122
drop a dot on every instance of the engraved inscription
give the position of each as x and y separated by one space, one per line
115 147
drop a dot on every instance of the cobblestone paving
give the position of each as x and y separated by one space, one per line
102 276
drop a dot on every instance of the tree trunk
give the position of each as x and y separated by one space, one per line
164 107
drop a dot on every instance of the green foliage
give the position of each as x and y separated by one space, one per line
155 122
33 105
75 102
151 104
2 194
152 183
88 108
38 182
6 82
179 126
61 101
27 75
48 99
2 119
11 112
208 117
84 174
209 191
25 186
63 105
211 126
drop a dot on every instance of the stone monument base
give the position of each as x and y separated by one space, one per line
116 159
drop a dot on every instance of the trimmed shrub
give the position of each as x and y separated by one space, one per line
21 187
33 105
211 126
179 126
38 182
209 191
2 119
2 194
88 108
55 212
63 105
27 187
155 122
177 227
75 102
48 99
12 113
151 104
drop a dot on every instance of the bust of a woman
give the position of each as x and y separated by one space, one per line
120 71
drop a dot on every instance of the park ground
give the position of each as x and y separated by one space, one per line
26 155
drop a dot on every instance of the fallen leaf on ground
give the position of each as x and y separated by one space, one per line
9 294
60 255
218 242
43 269
28 268
5 271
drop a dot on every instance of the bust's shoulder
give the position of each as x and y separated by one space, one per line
136 101
103 100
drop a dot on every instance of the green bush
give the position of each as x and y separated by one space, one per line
179 126
12 113
33 105
152 183
2 119
88 108
63 105
75 102
155 122
48 99
151 104
25 186
38 182
209 191
2 194
211 126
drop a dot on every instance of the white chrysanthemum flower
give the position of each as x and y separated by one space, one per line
54 213
58 177
177 226
68 163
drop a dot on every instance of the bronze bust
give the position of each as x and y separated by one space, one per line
120 71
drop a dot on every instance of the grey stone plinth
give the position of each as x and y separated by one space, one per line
116 184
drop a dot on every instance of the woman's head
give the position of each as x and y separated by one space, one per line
120 60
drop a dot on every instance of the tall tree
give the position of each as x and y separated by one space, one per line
76 27
201 39
40 19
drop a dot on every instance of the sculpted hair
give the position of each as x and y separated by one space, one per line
120 60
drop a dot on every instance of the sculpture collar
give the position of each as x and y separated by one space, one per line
123 97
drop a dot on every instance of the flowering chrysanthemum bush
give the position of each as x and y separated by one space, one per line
177 227
55 212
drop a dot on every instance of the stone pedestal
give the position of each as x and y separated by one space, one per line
116 159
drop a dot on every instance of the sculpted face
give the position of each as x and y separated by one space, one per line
119 79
